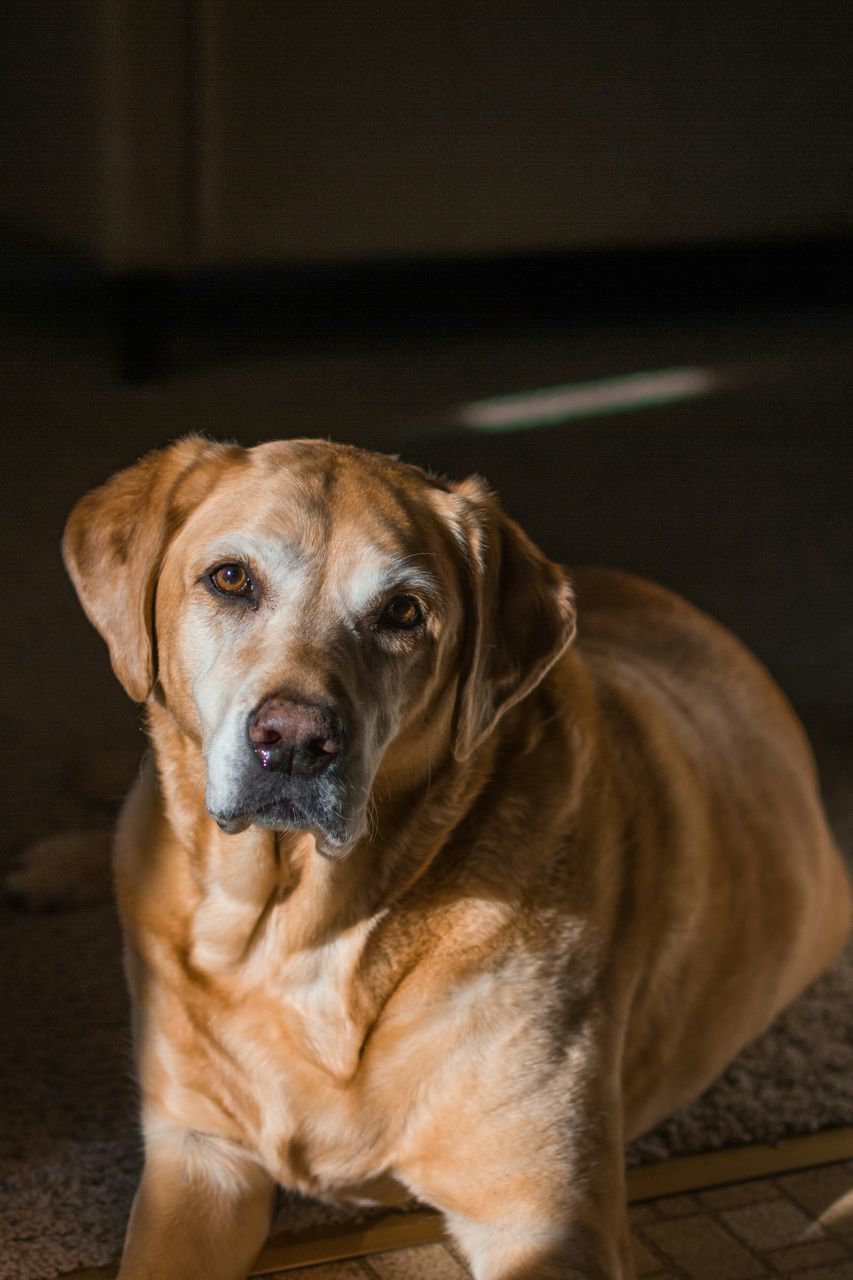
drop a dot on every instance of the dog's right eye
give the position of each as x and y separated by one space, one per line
231 580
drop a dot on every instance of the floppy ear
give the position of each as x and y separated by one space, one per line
114 543
522 617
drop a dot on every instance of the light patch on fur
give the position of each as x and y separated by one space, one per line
503 1250
317 985
182 1109
227 753
282 562
224 705
218 1163
222 928
450 507
243 874
366 574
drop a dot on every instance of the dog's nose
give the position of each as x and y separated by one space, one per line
295 737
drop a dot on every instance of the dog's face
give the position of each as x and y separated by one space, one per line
315 618
306 614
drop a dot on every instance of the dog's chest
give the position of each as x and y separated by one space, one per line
296 1061
288 1040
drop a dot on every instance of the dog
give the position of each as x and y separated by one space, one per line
423 893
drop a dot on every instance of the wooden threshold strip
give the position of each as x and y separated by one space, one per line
738 1164
676 1176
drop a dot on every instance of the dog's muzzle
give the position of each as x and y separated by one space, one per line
292 777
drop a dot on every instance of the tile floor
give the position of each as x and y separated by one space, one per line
799 1226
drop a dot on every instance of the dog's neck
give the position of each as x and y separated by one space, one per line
240 880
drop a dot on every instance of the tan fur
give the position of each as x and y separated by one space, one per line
571 881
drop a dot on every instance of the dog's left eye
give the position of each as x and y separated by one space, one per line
231 580
402 613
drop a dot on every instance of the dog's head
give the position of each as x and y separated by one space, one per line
314 617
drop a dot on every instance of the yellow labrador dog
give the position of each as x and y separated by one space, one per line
421 894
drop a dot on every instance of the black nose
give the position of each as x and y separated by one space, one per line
295 737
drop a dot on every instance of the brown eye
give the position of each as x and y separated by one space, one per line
403 613
232 580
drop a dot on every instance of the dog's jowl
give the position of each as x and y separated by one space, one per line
449 872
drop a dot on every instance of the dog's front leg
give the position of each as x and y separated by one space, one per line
538 1204
202 1210
578 1253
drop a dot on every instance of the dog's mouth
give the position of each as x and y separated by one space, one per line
281 814
274 813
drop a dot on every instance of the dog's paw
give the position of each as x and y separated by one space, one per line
71 869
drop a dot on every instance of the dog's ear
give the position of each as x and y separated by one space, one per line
521 616
115 540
